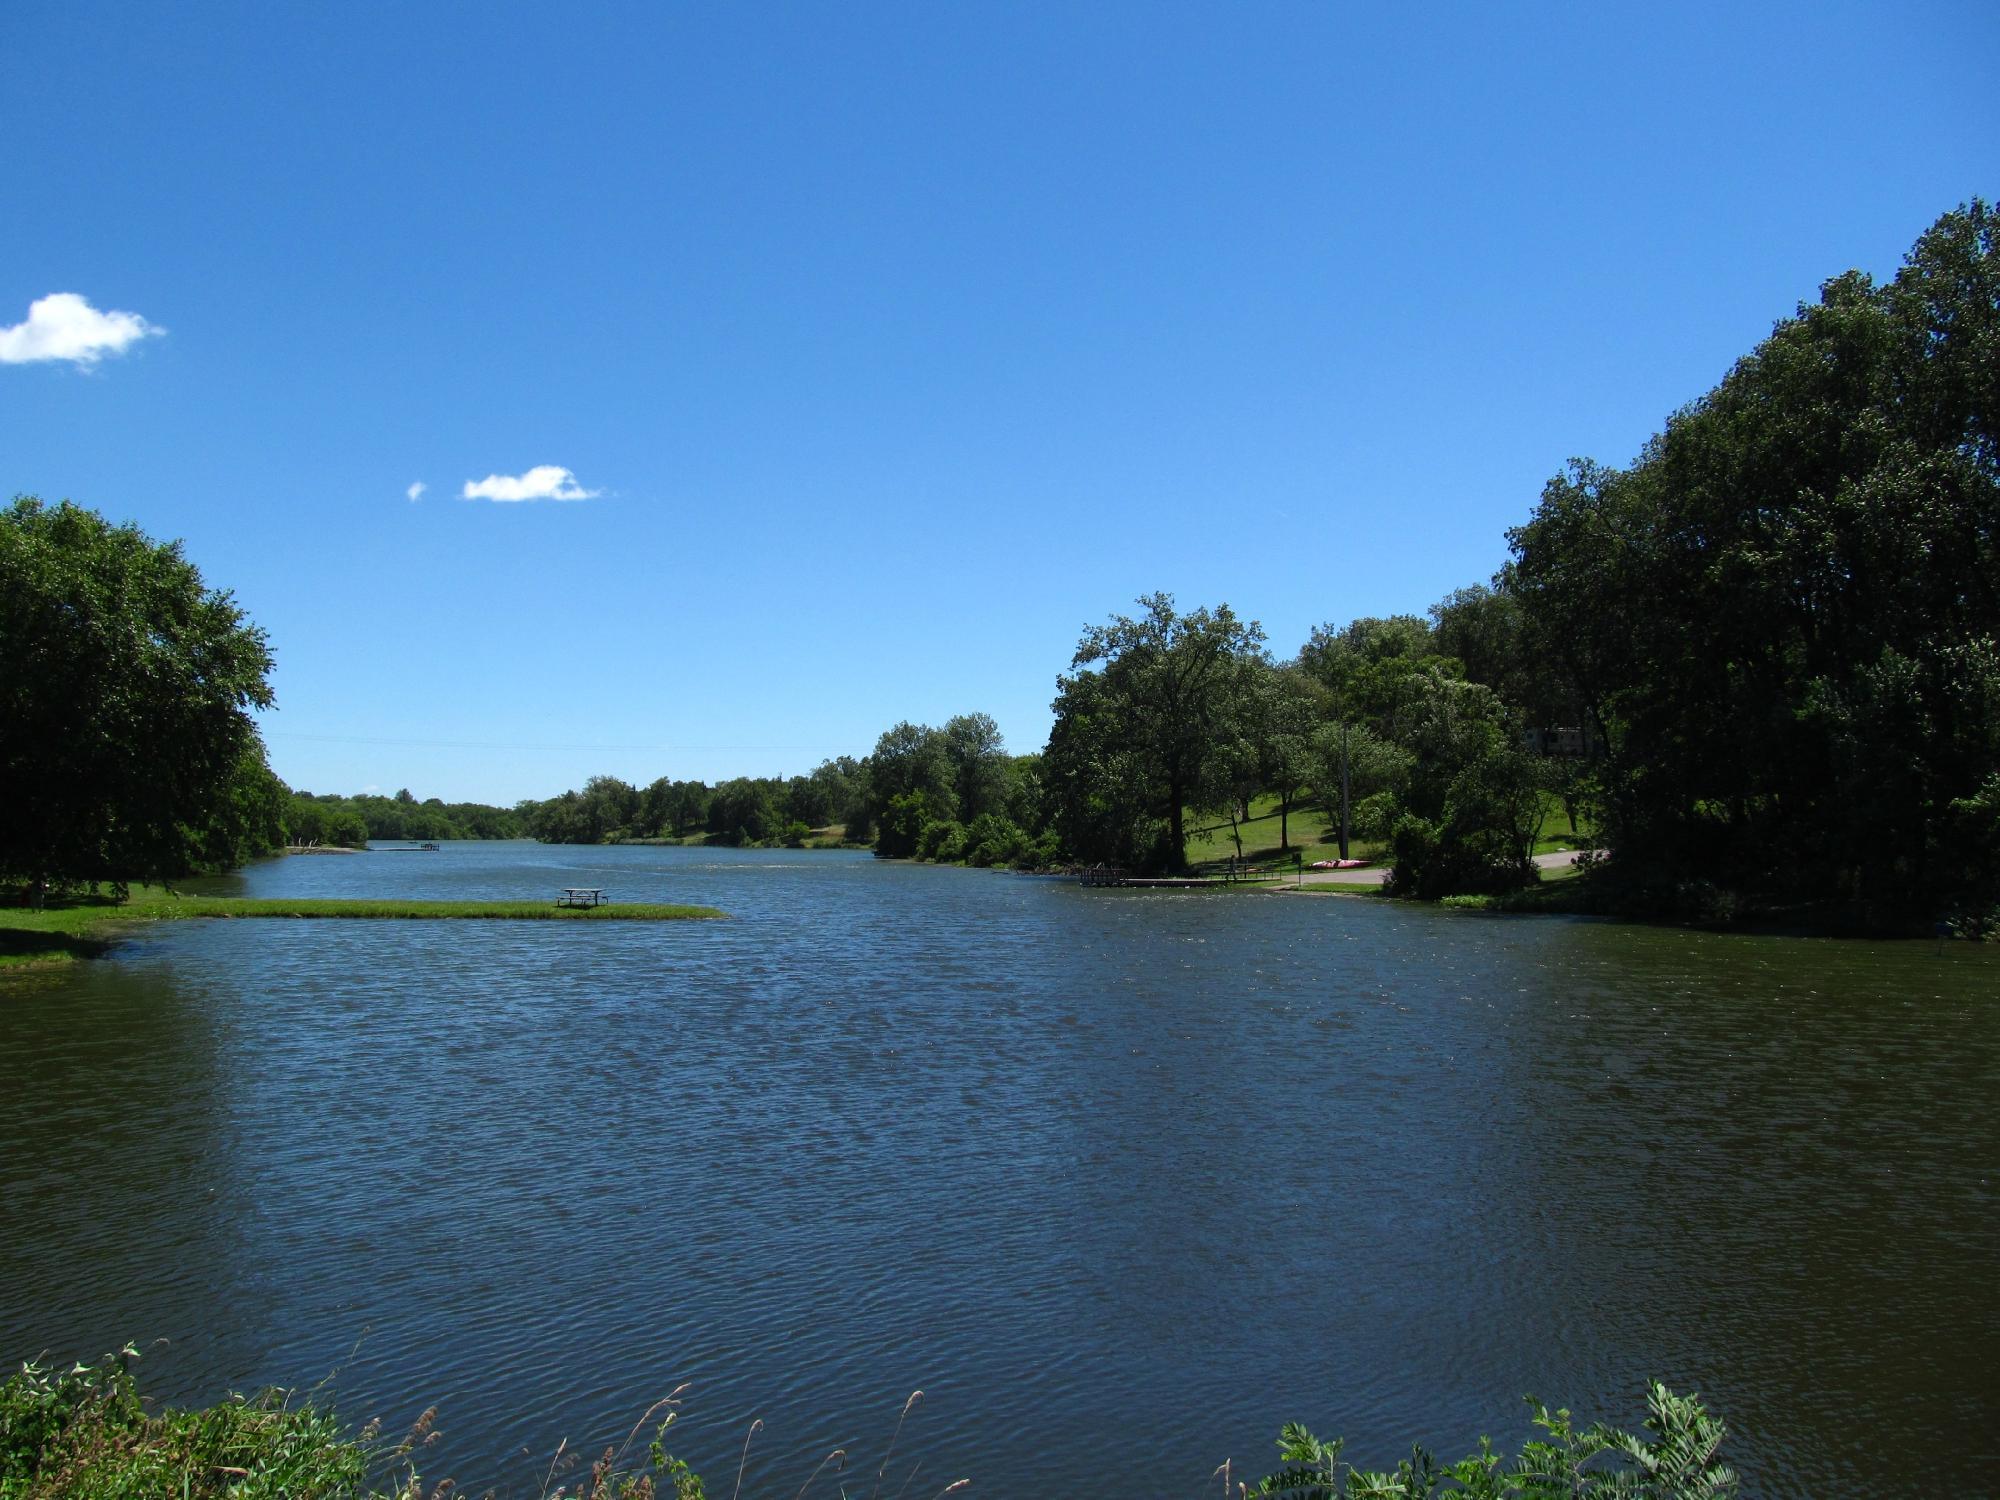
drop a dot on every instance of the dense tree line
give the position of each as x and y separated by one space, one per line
354 820
1781 620
951 793
1163 713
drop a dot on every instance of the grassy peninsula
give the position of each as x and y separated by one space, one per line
83 926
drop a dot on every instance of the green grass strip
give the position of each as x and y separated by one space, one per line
226 907
80 928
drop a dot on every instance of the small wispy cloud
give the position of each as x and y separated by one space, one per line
63 325
543 482
416 491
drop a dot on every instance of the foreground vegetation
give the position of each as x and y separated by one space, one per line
80 925
84 1434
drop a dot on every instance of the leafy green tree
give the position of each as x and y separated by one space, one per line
1470 805
744 811
1153 700
1229 774
1484 631
688 807
248 821
125 690
841 787
656 812
1366 665
994 839
562 820
806 802
1026 804
910 783
1101 797
978 757
1783 618
1287 708
1355 768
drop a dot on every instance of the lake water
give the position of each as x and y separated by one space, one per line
1121 1180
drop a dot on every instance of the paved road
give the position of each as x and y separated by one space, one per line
1376 874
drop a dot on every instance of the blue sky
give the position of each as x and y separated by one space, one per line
898 342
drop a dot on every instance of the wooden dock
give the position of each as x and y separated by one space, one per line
1112 876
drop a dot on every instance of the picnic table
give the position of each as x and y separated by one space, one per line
581 895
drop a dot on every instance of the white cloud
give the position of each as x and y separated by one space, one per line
543 482
63 325
416 491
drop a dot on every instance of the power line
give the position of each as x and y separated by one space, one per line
364 739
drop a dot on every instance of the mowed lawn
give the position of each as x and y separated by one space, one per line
1314 834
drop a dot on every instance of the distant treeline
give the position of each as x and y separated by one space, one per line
353 821
1179 713
962 772
1763 660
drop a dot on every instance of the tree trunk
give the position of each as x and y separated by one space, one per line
1176 833
1284 821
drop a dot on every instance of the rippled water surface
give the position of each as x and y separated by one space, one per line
1121 1180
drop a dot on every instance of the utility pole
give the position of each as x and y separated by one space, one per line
1343 789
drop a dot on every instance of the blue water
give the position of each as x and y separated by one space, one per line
1121 1180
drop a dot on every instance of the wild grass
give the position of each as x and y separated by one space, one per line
82 926
84 1434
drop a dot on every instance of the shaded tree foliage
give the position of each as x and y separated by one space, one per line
1138 728
1782 617
126 745
1469 804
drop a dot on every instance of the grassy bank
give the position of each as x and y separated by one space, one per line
1316 833
83 927
84 1434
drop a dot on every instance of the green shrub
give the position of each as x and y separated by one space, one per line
81 1434
1043 853
1597 1463
993 839
942 841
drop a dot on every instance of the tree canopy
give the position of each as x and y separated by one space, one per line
1138 729
125 690
1782 618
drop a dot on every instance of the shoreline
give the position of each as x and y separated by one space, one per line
59 935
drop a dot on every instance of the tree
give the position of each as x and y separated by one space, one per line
1356 774
1783 617
1366 666
743 811
1152 716
909 785
1470 804
1287 709
248 820
125 690
978 757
